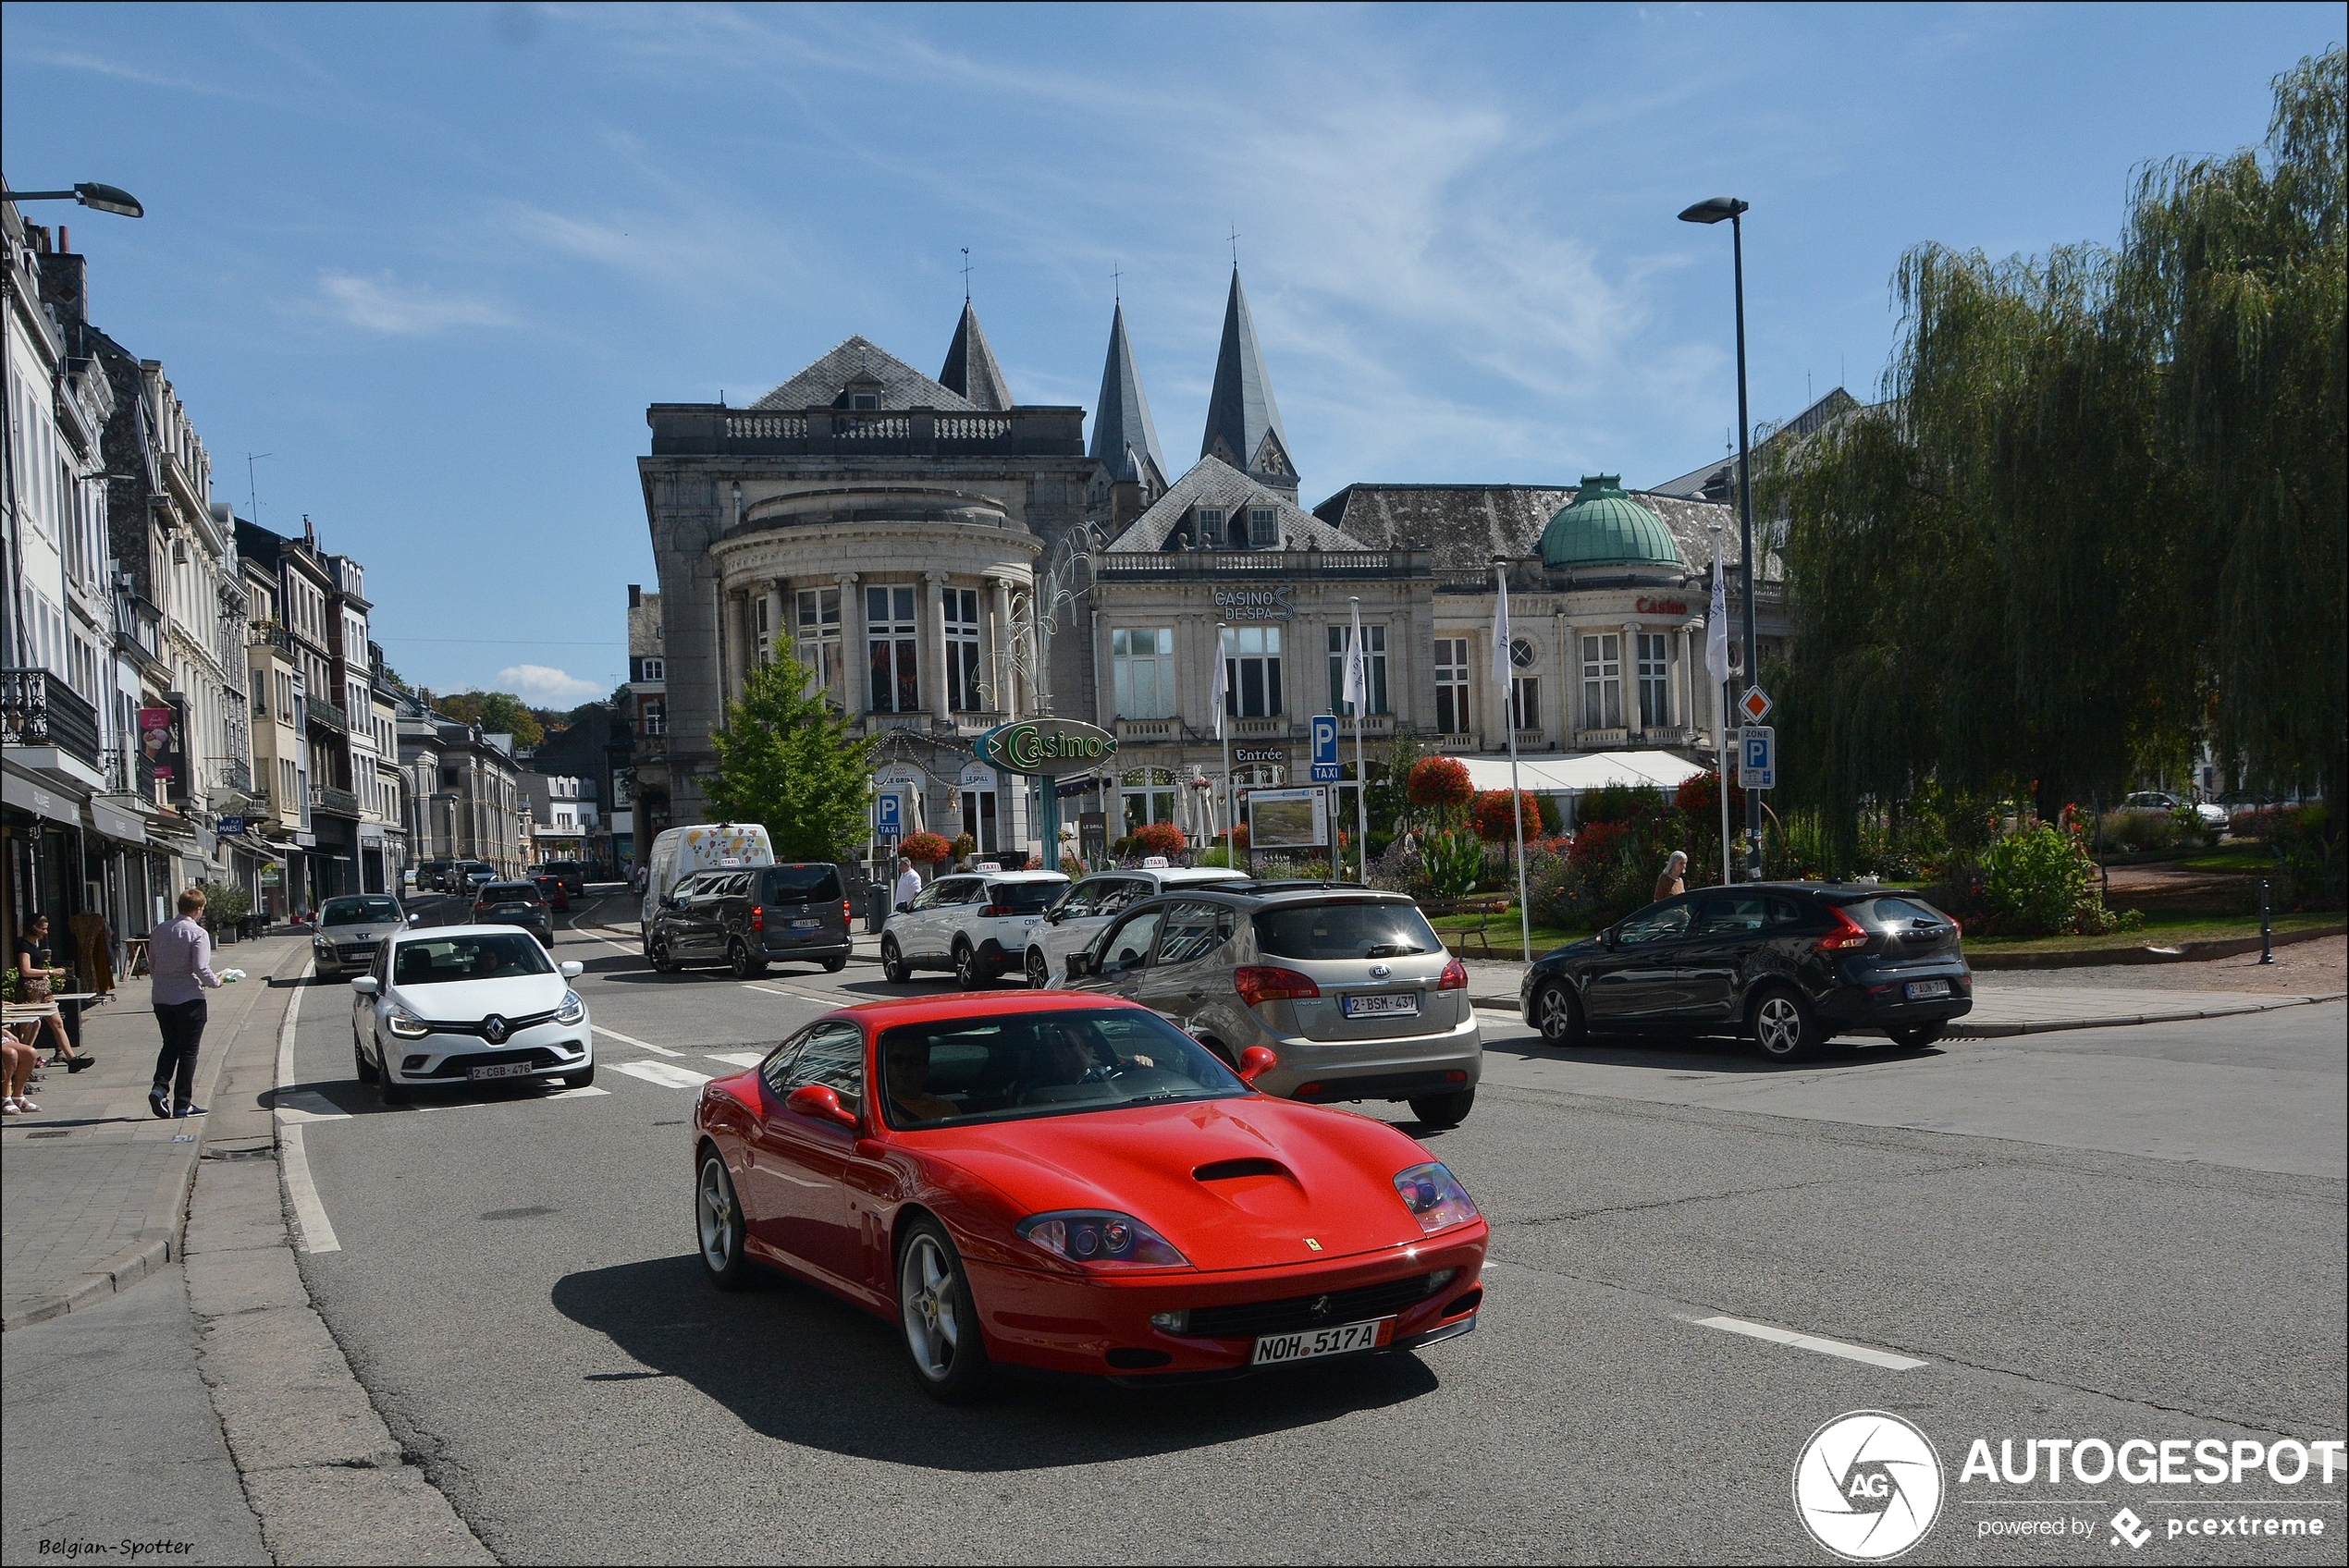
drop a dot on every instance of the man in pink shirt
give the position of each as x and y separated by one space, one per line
179 957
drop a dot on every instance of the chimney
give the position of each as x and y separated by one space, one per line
635 596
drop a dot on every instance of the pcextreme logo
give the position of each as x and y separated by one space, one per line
1868 1486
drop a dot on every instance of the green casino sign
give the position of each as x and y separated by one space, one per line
1045 748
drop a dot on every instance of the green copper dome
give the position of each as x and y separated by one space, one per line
1606 527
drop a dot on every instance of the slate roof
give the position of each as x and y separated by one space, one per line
1215 483
1466 526
899 385
1719 478
1240 410
1124 441
971 369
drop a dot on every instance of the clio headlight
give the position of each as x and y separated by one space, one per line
406 1025
573 1009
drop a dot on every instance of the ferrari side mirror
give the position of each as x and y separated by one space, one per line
820 1102
1256 1061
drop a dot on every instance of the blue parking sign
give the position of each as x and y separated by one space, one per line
1758 757
1325 765
888 823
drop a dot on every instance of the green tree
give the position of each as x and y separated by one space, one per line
788 759
2099 515
498 713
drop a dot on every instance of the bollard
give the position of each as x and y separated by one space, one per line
2266 934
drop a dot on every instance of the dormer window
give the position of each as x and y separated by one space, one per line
864 400
1261 530
1211 527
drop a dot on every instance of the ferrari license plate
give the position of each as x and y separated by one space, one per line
508 1070
1925 990
1400 1005
1310 1344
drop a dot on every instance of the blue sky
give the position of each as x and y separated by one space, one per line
437 260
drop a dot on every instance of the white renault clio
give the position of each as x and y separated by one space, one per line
468 1004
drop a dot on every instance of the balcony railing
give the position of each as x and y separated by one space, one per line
237 774
1602 740
1664 735
269 634
37 709
1255 565
333 802
705 428
130 772
328 716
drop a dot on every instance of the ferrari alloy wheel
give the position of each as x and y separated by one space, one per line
717 1224
967 971
1557 1014
1040 973
893 968
942 1329
1782 1026
1915 1036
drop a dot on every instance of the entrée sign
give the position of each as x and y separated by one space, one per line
1259 753
1045 747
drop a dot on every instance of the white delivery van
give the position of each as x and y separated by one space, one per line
679 851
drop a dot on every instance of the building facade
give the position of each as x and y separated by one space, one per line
945 561
463 791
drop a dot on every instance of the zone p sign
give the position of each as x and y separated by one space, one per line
1758 757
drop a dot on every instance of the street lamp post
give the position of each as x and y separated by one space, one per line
1713 211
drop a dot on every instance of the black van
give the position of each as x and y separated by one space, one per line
749 918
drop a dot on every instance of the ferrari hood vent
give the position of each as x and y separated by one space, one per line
1230 1169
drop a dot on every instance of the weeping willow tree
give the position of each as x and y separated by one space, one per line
2099 515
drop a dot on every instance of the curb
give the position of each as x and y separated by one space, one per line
2188 952
1959 1030
167 1213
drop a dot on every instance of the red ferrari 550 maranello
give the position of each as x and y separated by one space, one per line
1069 1182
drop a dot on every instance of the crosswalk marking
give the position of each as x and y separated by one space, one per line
666 1074
632 1040
738 1058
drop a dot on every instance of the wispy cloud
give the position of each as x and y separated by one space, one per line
401 310
81 60
546 685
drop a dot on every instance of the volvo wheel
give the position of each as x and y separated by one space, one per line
1557 1014
1783 1026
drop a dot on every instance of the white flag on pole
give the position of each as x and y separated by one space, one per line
1223 684
1501 667
1716 626
1358 673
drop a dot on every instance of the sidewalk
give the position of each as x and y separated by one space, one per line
2015 1004
93 1187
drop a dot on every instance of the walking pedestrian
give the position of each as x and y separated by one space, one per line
179 957
909 882
1673 880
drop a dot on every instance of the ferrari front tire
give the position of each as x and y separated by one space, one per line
717 1224
934 1307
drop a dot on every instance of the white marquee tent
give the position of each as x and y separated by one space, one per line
1571 775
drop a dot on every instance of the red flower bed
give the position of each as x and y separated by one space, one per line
925 848
1492 820
1159 838
1439 782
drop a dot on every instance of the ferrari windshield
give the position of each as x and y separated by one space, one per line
1018 1065
496 956
359 912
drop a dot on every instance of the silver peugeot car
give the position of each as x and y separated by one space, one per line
351 928
1348 987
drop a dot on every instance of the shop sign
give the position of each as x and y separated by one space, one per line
1256 604
976 776
269 875
1660 606
1045 748
1259 753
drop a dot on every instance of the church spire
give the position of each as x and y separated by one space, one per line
1124 441
1242 422
971 369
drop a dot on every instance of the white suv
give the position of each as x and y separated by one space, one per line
1070 925
977 924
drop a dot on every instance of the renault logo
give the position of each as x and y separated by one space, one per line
494 1028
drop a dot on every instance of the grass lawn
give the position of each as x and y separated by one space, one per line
1504 934
2164 930
2247 855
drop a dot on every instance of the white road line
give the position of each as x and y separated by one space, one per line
1810 1342
663 1073
632 1040
797 995
312 1231
737 1059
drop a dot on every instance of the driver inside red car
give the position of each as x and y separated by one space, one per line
907 1065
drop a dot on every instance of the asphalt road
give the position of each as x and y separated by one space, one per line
517 1288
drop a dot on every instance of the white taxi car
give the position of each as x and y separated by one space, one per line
468 1004
977 923
1070 925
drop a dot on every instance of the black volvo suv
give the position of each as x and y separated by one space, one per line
1788 964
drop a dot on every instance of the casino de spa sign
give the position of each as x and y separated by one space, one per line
1045 748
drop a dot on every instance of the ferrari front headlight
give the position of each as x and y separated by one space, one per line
1099 1237
1435 1196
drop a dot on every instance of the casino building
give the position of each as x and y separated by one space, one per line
945 559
